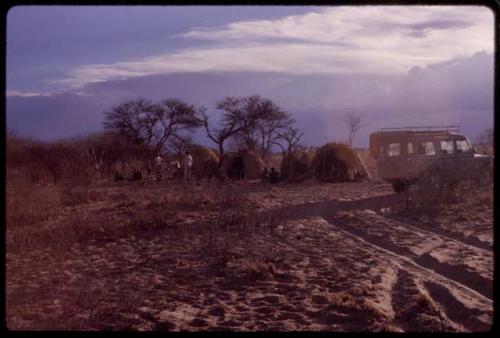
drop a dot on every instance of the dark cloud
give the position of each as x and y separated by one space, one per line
458 91
53 117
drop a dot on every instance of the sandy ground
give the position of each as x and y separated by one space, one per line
282 258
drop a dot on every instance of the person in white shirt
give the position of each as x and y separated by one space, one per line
158 166
188 163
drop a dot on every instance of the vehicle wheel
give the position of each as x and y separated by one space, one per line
399 186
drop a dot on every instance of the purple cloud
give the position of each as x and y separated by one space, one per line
458 91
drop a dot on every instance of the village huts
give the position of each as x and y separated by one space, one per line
295 165
244 164
337 162
205 161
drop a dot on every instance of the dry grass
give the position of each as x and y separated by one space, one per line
31 211
27 205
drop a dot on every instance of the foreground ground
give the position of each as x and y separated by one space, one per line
250 256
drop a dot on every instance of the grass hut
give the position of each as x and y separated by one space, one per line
244 164
295 167
205 161
337 162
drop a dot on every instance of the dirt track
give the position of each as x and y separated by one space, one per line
312 257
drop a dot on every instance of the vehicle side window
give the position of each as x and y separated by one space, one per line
447 147
427 148
393 149
462 146
409 148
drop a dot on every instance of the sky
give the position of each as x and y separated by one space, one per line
396 65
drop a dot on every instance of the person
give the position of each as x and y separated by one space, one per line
118 177
158 166
97 168
274 176
136 176
174 169
188 163
265 174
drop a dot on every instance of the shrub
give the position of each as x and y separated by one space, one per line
446 183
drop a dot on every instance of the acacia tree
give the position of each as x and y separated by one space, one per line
287 139
353 122
152 124
262 120
178 143
231 122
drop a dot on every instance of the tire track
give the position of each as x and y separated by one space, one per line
467 279
460 275
472 241
411 265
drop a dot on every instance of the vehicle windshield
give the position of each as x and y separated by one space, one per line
463 146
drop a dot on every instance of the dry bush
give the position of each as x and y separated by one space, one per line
205 162
207 194
447 183
244 164
233 237
295 166
337 162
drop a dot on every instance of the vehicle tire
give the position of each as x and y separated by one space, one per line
399 186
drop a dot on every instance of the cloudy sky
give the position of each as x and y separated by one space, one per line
397 65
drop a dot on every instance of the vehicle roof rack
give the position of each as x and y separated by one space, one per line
428 128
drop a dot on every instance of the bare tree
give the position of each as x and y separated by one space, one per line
353 122
252 121
179 143
484 141
288 139
231 123
152 124
485 137
133 119
262 120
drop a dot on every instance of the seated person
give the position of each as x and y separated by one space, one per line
118 177
136 176
265 174
274 176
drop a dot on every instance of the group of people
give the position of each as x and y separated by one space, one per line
187 164
272 176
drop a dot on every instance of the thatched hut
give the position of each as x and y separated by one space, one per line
295 165
337 162
244 164
205 161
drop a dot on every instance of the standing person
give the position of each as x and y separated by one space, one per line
97 168
188 163
174 169
158 166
